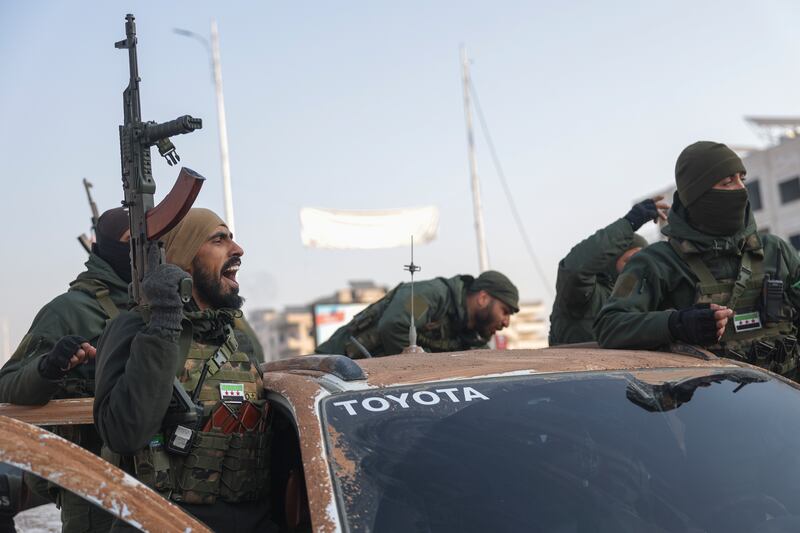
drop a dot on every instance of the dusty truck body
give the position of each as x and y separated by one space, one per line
48 456
558 439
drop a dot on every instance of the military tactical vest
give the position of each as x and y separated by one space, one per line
364 328
231 467
751 335
437 336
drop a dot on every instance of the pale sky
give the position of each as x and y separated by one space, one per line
358 105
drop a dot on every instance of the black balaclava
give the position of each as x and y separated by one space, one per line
719 212
699 167
111 226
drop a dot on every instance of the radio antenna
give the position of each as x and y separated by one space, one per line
411 268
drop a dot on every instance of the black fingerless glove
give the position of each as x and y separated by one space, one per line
55 364
643 212
160 288
694 325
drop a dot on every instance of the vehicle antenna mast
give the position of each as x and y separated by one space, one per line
412 328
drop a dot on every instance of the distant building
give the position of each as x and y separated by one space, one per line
773 179
284 334
359 291
294 331
526 329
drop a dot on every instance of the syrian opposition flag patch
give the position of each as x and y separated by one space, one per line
231 392
746 321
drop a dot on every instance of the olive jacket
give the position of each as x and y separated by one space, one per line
656 281
78 311
440 316
585 279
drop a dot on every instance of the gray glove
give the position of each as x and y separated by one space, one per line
160 287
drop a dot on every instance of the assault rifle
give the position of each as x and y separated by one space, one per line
85 241
148 222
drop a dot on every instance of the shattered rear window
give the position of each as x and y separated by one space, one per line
713 451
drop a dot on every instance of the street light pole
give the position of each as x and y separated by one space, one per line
213 50
223 128
477 209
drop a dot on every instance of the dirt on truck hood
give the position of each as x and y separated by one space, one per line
49 456
425 367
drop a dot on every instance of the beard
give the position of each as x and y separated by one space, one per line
209 287
484 324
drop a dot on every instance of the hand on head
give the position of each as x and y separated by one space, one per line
648 210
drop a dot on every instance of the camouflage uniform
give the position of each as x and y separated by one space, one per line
93 298
223 478
440 315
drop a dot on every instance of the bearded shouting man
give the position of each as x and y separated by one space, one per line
218 476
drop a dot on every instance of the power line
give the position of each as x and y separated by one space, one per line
507 190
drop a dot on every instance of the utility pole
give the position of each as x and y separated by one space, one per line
483 254
223 128
216 67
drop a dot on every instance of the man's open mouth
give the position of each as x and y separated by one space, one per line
230 270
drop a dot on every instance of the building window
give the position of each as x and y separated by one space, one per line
754 193
795 240
790 189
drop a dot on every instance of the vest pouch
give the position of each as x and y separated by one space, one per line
784 359
772 300
363 321
760 353
369 317
152 466
245 467
201 469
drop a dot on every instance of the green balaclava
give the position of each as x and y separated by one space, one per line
699 167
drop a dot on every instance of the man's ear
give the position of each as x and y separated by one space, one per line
483 299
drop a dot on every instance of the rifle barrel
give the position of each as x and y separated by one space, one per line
184 124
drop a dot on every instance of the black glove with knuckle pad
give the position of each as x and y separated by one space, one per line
694 325
641 213
55 364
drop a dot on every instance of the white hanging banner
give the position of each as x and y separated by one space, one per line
367 230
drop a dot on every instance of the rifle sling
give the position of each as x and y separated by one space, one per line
216 361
